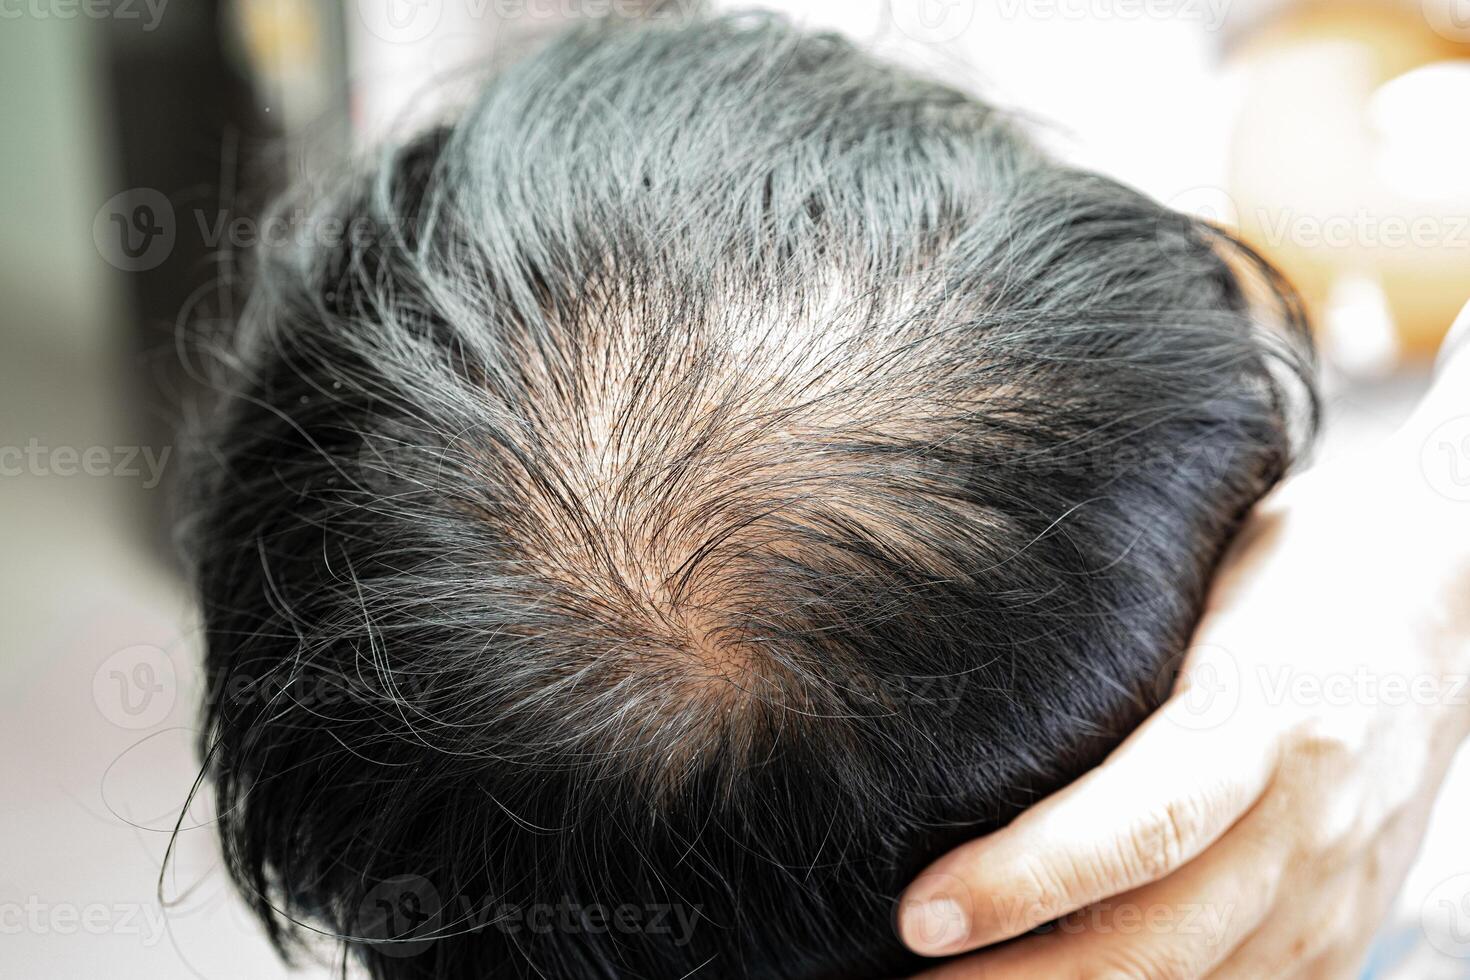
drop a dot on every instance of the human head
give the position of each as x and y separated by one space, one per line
718 473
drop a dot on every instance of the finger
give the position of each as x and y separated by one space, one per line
1333 940
1289 948
1181 927
1164 796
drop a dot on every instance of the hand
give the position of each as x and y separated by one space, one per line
1260 823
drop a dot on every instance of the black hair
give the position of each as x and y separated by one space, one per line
691 490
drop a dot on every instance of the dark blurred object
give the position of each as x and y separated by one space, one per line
200 101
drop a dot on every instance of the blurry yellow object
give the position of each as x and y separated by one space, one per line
1350 166
282 41
279 32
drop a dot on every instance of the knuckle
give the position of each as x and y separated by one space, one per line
1045 887
1311 943
1159 844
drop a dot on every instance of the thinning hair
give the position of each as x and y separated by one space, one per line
718 473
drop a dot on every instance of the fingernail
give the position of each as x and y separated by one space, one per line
935 926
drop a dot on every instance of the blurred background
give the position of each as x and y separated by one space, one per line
142 138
